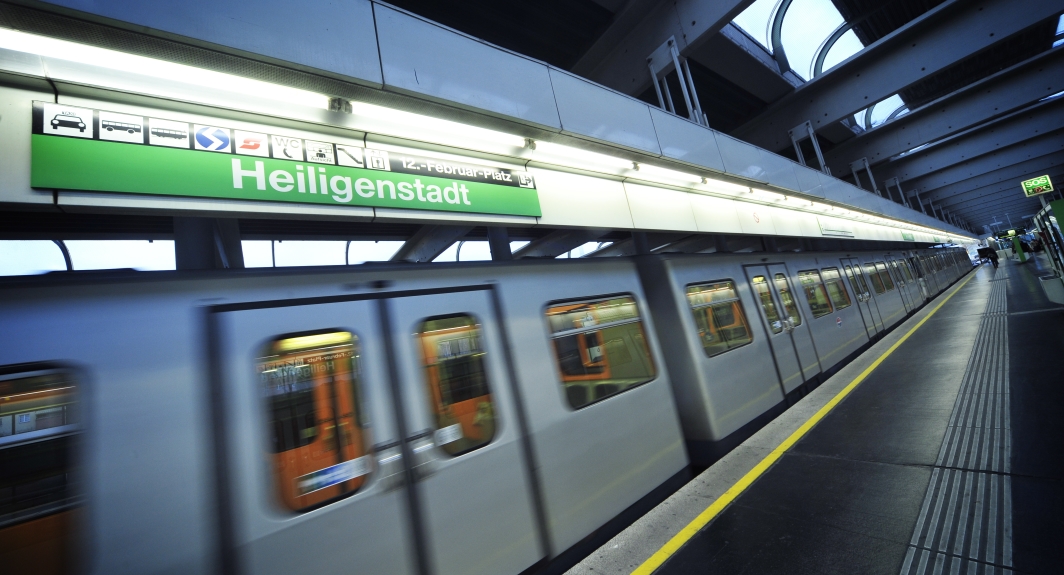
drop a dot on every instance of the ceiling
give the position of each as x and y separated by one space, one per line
732 93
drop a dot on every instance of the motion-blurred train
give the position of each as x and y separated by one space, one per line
445 419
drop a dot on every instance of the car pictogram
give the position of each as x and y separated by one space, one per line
68 120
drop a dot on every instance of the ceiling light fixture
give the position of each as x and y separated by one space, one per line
131 63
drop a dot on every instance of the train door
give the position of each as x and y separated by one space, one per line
778 326
800 334
932 273
309 442
899 282
911 281
461 419
907 282
860 284
920 273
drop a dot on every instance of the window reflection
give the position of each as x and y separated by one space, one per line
719 316
600 348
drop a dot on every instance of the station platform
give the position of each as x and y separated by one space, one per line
939 450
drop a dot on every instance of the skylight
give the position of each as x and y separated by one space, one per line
807 24
755 21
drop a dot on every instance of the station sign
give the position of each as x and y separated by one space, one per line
1036 186
86 149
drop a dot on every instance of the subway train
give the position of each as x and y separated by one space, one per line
468 418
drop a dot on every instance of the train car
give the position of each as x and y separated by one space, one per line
474 418
721 316
452 418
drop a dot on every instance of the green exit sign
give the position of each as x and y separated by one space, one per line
1035 186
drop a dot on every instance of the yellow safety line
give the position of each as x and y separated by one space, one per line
707 515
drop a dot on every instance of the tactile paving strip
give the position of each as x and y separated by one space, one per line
965 524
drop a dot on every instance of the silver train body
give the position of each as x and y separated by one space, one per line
171 468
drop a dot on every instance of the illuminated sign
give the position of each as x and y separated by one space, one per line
73 149
1035 186
834 227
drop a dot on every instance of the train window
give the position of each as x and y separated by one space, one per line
915 263
600 348
319 438
836 289
760 285
892 267
39 427
453 356
904 267
719 316
815 293
884 275
877 282
857 281
783 287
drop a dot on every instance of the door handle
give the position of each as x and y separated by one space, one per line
390 465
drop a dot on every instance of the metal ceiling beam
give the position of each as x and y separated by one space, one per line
1011 180
428 242
987 200
1017 207
941 37
1000 190
985 173
1012 88
618 59
999 159
990 196
627 247
1016 128
1008 187
749 65
557 243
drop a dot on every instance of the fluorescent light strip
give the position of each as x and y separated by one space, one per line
403 124
102 57
666 175
549 152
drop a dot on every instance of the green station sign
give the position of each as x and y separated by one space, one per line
1036 186
907 236
95 150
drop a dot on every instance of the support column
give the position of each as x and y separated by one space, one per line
499 243
641 243
722 244
207 243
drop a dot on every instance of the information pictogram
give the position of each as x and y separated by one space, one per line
320 152
285 148
251 144
212 139
350 156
